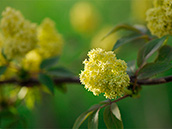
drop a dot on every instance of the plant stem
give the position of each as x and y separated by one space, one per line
33 81
125 96
155 81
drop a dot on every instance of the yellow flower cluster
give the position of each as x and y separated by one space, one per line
104 73
50 41
50 44
84 17
20 35
159 18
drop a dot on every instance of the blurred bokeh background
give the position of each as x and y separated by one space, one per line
82 25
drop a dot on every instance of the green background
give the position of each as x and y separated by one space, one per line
151 110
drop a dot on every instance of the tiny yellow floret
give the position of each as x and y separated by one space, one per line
20 35
159 18
104 73
50 41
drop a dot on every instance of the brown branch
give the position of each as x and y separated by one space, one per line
125 96
153 81
32 81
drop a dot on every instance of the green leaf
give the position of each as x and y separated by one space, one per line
59 72
122 26
128 39
47 63
93 120
152 69
148 49
84 116
115 111
62 87
112 117
2 69
47 81
131 67
3 54
164 54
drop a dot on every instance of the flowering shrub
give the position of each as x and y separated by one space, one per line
30 52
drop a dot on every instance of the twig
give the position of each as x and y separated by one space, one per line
125 96
155 81
33 81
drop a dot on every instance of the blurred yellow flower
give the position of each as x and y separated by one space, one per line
106 43
50 41
157 3
2 59
20 36
139 8
104 73
84 18
32 61
159 18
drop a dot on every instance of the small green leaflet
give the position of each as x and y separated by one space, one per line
62 87
3 54
84 116
164 54
2 69
47 63
122 26
152 69
131 67
47 81
128 39
93 120
59 72
148 49
112 117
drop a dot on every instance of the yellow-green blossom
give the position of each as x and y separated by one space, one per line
50 41
159 18
167 5
32 61
84 18
20 35
104 73
157 3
